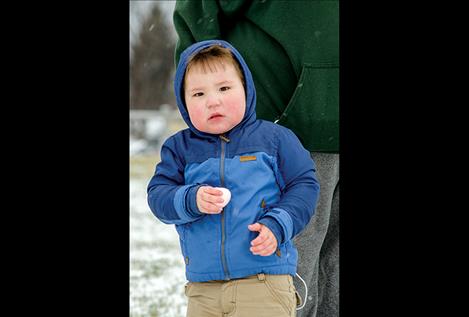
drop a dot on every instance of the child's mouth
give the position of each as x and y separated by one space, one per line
215 116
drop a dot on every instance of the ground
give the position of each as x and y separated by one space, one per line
156 266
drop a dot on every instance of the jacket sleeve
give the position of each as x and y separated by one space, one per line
296 176
196 21
170 200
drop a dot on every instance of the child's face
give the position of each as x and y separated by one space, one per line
215 98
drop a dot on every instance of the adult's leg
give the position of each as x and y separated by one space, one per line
329 265
311 244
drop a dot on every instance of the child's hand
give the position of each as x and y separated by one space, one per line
208 199
265 244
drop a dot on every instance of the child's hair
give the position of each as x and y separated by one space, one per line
209 57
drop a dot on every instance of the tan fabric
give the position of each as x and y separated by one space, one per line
258 295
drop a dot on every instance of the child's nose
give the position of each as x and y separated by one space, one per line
213 101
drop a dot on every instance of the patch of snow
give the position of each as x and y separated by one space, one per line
137 146
157 275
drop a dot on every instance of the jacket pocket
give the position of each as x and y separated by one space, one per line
313 110
262 211
202 245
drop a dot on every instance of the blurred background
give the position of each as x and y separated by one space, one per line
156 267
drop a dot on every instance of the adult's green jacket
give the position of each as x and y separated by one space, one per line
292 49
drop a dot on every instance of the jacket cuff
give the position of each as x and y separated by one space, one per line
275 227
191 201
180 204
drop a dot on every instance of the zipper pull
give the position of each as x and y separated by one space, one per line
224 138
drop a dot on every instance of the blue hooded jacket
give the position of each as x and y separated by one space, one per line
269 173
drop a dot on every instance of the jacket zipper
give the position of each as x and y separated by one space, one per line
224 140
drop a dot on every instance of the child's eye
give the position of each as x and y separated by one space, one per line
224 88
198 94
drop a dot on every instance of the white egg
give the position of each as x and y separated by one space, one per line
226 196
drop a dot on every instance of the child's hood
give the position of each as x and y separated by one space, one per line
250 113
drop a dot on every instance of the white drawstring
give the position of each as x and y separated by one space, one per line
306 293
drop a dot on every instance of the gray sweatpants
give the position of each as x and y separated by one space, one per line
318 245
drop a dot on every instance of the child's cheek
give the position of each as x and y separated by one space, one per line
196 116
232 104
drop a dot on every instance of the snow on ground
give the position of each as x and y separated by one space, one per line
156 265
157 276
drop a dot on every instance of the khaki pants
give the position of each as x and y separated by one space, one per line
258 295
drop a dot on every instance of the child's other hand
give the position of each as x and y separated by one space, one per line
265 243
207 199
